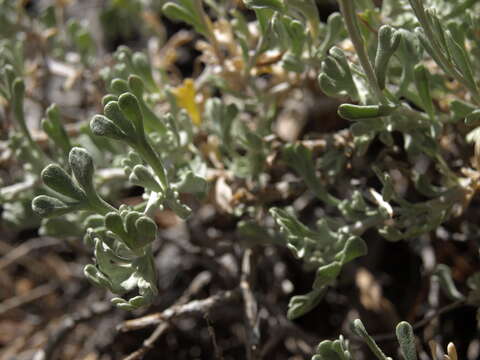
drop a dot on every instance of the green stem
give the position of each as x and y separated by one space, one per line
362 332
347 8
375 349
99 205
149 155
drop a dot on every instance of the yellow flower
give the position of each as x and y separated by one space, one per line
185 95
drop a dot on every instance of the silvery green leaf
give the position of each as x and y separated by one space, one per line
119 86
119 272
444 276
406 339
113 112
49 206
114 223
132 228
54 128
301 304
309 9
109 97
60 227
461 59
136 85
131 109
353 206
279 28
388 191
388 42
332 350
290 62
391 233
297 34
192 184
335 27
94 221
185 11
429 47
410 53
354 247
300 158
103 126
130 223
146 230
137 301
8 75
422 82
336 78
151 121
264 16
277 5
300 239
182 210
143 68
96 276
326 274
57 179
438 30
140 175
356 112
81 164
122 304
223 116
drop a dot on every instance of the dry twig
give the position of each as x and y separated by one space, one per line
26 248
32 295
196 285
251 307
211 332
194 307
67 325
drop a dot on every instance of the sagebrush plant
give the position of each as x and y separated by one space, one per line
407 77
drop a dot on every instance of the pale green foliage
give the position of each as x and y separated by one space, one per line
393 73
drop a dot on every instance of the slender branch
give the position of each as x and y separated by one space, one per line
425 321
211 332
195 307
195 286
347 7
20 251
251 307
67 325
32 295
